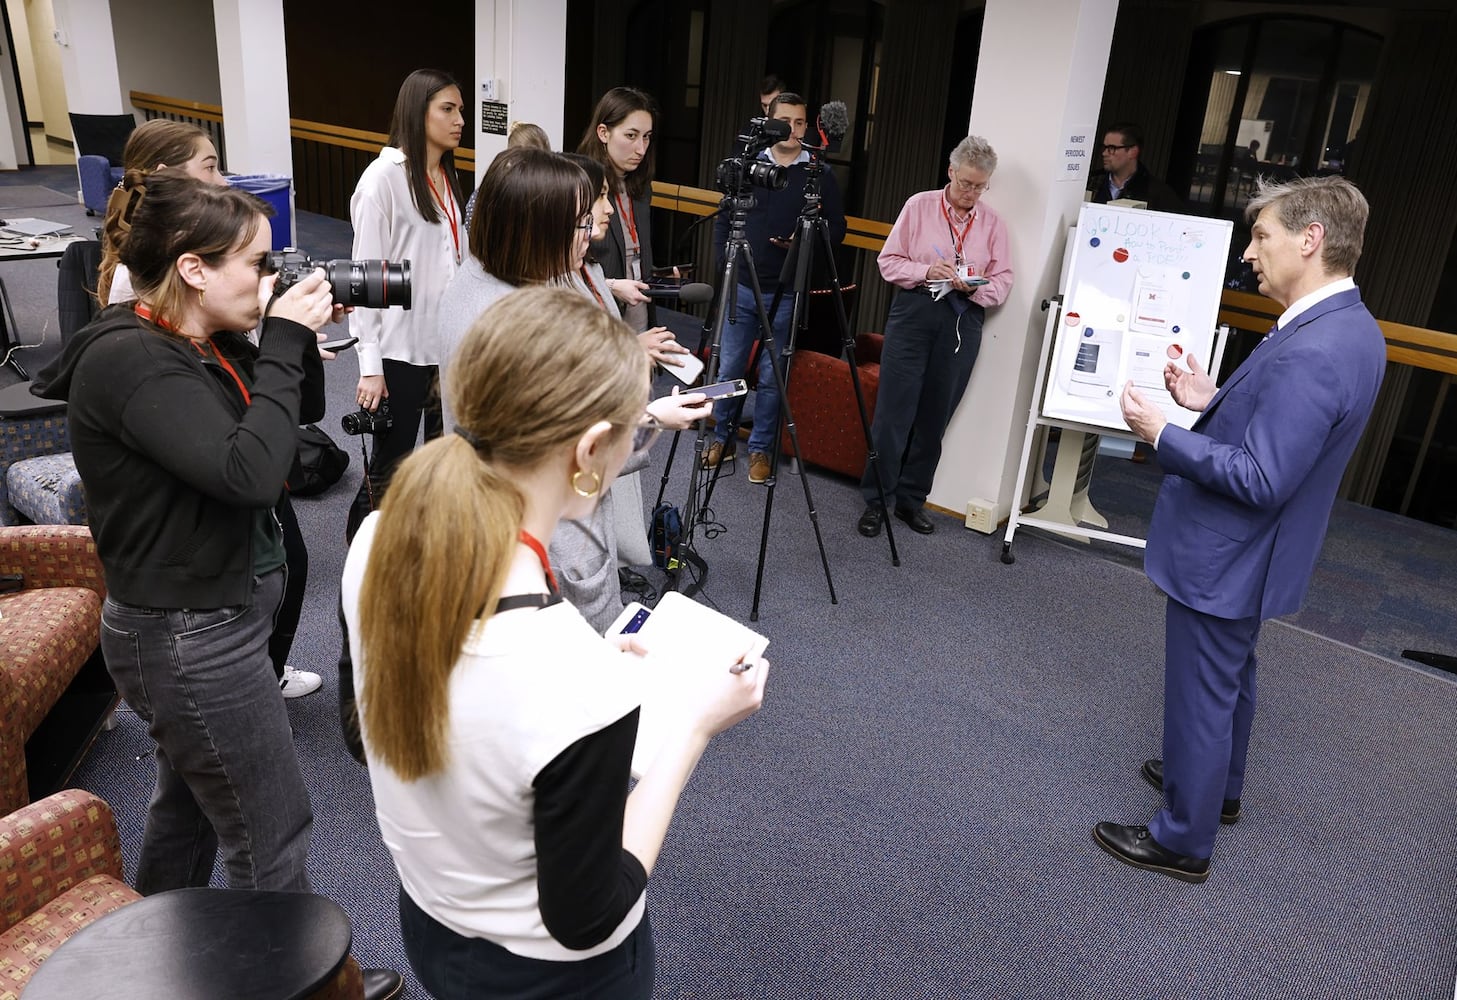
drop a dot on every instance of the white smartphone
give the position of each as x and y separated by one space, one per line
687 370
723 390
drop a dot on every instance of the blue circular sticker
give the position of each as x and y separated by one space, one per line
1176 329
1095 242
1186 275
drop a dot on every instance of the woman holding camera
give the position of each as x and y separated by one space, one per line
185 523
407 206
499 726
183 148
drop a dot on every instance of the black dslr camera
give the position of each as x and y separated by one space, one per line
737 174
363 421
373 284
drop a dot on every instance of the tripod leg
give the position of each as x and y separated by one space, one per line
787 416
872 456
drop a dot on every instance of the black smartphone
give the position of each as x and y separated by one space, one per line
723 390
335 346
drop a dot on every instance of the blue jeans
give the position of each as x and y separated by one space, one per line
733 359
451 966
227 774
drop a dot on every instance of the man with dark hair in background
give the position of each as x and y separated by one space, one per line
1123 176
1243 508
769 88
769 228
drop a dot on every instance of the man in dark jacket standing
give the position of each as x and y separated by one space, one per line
1124 177
770 227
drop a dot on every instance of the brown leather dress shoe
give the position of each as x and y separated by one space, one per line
1153 773
1134 845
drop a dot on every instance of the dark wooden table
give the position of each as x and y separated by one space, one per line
202 944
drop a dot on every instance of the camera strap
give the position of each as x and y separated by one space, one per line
204 347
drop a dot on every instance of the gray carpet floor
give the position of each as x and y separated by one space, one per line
910 814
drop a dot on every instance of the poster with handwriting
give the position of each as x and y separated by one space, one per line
1142 291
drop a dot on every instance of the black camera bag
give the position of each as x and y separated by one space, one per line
319 465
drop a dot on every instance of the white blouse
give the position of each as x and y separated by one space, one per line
388 226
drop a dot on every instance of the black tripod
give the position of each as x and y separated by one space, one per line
737 253
812 233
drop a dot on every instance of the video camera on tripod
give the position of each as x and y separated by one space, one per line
738 173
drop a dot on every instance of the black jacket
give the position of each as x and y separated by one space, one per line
1142 186
776 214
174 464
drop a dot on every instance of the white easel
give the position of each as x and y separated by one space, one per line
1066 511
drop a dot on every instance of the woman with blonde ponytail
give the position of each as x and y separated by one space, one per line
498 726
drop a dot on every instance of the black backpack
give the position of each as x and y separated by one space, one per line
320 463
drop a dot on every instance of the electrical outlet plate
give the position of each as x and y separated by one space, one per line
981 515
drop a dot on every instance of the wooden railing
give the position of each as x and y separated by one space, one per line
864 234
327 159
1431 350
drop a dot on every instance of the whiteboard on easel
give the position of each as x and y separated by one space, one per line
1142 289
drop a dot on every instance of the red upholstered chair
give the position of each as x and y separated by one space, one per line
49 630
822 399
60 869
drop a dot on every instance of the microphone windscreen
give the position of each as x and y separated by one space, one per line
776 129
695 293
835 119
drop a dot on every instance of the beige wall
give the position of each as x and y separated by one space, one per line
167 47
20 29
45 90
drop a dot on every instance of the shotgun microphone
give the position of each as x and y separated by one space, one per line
692 294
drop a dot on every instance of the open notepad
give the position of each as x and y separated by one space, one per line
679 639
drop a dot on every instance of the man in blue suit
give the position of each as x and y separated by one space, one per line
1242 513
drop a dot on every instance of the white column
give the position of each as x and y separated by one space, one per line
521 54
253 78
1039 82
88 57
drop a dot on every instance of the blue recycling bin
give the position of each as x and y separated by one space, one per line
276 190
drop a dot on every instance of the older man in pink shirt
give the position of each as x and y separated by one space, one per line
948 253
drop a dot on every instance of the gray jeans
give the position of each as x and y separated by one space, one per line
227 773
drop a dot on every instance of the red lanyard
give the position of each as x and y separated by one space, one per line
587 278
531 543
451 215
203 347
629 215
957 240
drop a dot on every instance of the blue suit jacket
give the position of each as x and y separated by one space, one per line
1241 516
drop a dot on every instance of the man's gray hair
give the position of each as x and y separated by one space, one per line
1334 202
974 152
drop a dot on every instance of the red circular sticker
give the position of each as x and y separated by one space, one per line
1120 255
1175 352
1072 319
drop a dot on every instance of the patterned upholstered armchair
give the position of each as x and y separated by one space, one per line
38 480
49 630
822 399
60 869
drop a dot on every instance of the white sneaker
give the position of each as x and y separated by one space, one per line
297 683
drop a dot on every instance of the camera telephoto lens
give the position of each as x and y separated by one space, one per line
373 284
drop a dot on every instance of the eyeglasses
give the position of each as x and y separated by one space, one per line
646 432
971 188
1114 149
585 225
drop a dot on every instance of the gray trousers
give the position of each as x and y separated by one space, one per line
227 773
